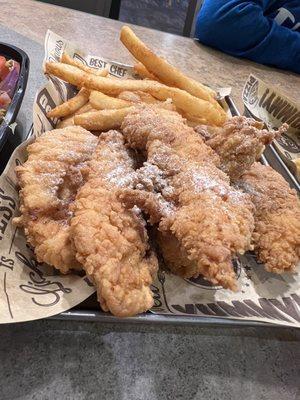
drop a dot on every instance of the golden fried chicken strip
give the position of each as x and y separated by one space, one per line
49 181
111 242
209 221
277 218
239 143
147 123
204 222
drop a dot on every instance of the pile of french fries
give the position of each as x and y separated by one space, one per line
102 102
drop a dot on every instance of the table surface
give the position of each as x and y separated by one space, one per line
67 360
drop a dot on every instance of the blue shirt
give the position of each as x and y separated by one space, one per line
265 31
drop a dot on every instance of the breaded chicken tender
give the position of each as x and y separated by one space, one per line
203 222
111 242
277 218
49 181
239 143
147 123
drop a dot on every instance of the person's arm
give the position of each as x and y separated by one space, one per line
239 27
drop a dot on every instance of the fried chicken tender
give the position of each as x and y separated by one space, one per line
239 143
111 242
202 221
277 218
49 181
147 123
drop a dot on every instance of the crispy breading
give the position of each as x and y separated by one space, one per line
239 143
49 181
277 218
111 242
206 220
147 123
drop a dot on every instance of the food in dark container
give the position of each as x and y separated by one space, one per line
9 75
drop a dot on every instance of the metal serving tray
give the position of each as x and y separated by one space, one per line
89 310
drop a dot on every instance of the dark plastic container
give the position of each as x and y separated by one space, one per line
12 52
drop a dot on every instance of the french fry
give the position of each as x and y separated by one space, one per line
103 120
116 86
181 99
68 73
130 96
86 108
297 163
191 105
66 59
69 121
164 71
101 101
69 107
144 97
167 105
138 97
192 120
141 70
147 98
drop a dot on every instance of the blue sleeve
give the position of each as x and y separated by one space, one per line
239 27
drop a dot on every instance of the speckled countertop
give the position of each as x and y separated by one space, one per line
72 360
